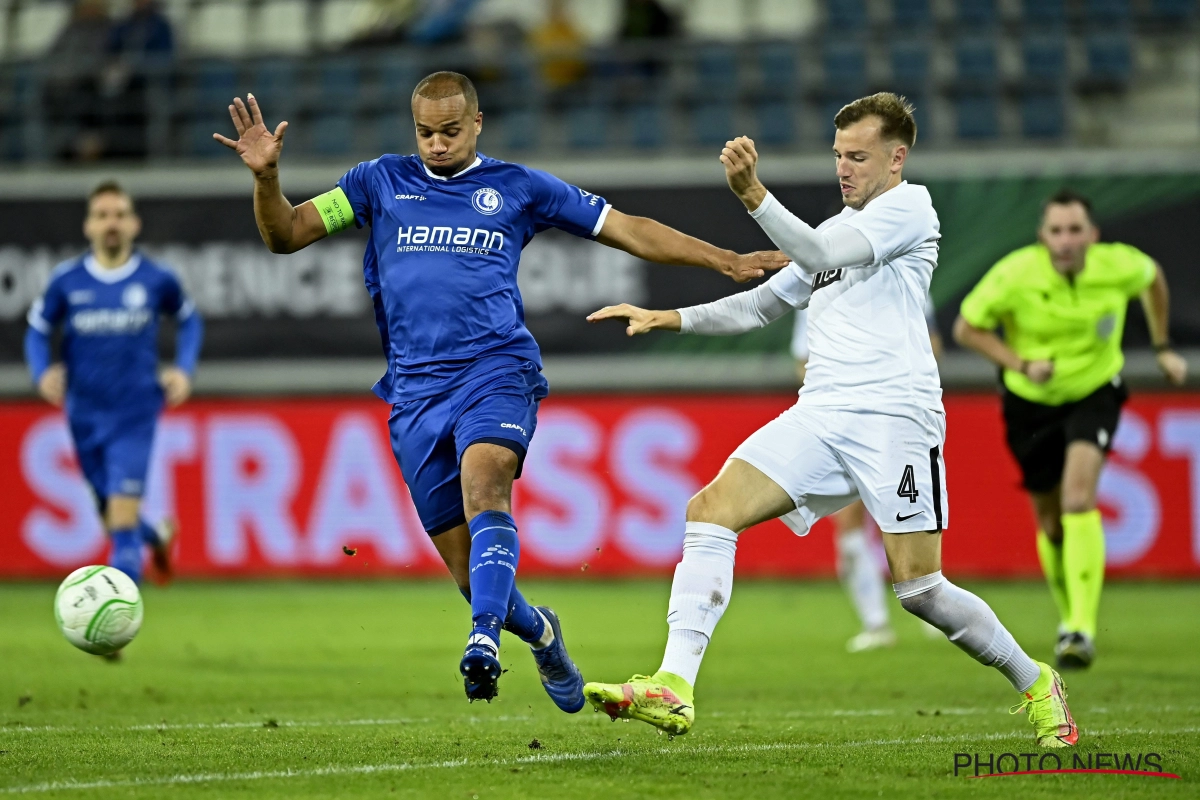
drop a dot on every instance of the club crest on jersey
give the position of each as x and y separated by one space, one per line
487 201
134 296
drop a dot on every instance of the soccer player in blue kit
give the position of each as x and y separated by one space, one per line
108 302
464 374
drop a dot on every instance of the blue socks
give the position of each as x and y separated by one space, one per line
494 555
127 553
147 532
522 619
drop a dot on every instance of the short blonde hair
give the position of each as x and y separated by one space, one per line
894 111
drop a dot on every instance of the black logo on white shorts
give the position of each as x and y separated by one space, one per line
907 517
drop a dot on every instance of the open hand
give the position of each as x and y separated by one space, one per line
52 386
258 147
1174 366
640 320
177 386
741 171
747 267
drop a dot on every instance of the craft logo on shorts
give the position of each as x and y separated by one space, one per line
134 296
487 201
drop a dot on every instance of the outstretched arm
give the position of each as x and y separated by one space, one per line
1156 302
284 228
737 313
653 241
839 247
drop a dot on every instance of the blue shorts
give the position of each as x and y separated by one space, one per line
114 451
430 435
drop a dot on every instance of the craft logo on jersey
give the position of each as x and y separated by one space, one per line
134 296
827 277
487 201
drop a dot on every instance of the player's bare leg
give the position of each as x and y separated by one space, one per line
862 579
739 497
916 563
1082 551
482 556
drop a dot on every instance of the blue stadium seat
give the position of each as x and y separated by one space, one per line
274 84
845 68
976 13
398 75
340 85
1174 11
1043 116
776 122
910 66
333 134
1044 58
975 62
712 122
198 141
716 70
848 15
907 14
214 85
978 116
587 126
921 114
1108 12
1109 58
777 62
521 127
648 125
393 133
1040 15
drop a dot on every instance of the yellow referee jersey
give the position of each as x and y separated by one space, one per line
1077 323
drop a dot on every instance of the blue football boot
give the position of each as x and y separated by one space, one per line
480 665
560 676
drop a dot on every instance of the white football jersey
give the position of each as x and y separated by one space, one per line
868 339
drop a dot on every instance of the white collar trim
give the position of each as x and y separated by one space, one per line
437 177
115 275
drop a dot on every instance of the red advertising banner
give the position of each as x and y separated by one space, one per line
265 487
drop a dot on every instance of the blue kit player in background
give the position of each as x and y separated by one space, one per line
464 374
108 302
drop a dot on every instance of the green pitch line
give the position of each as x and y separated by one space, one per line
351 690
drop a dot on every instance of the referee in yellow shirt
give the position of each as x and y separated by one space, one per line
1061 304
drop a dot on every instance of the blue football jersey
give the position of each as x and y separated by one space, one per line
441 264
110 331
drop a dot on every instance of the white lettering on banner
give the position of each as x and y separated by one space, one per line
1179 435
564 507
174 443
563 273
251 475
1132 532
356 501
648 458
70 534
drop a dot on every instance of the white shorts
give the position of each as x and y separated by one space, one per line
826 458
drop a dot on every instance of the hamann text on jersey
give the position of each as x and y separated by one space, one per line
441 264
110 330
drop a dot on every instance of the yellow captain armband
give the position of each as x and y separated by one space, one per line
334 208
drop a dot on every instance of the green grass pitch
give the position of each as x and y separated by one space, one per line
351 690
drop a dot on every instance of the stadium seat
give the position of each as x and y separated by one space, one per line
1108 12
845 66
219 27
393 133
977 116
199 143
1174 11
340 85
520 128
333 134
910 65
712 122
1043 116
776 122
777 62
587 126
975 63
1041 15
398 75
909 14
716 70
214 85
1044 58
283 26
37 25
339 20
975 13
1109 59
274 84
847 15
648 125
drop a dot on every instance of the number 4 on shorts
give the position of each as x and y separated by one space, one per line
908 485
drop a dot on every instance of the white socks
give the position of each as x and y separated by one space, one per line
699 595
547 634
970 623
862 578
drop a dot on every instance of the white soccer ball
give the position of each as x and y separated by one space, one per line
98 609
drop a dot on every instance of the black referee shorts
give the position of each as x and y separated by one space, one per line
1038 434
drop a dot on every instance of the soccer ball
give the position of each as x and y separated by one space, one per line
98 609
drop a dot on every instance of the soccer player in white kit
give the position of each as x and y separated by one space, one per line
868 424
